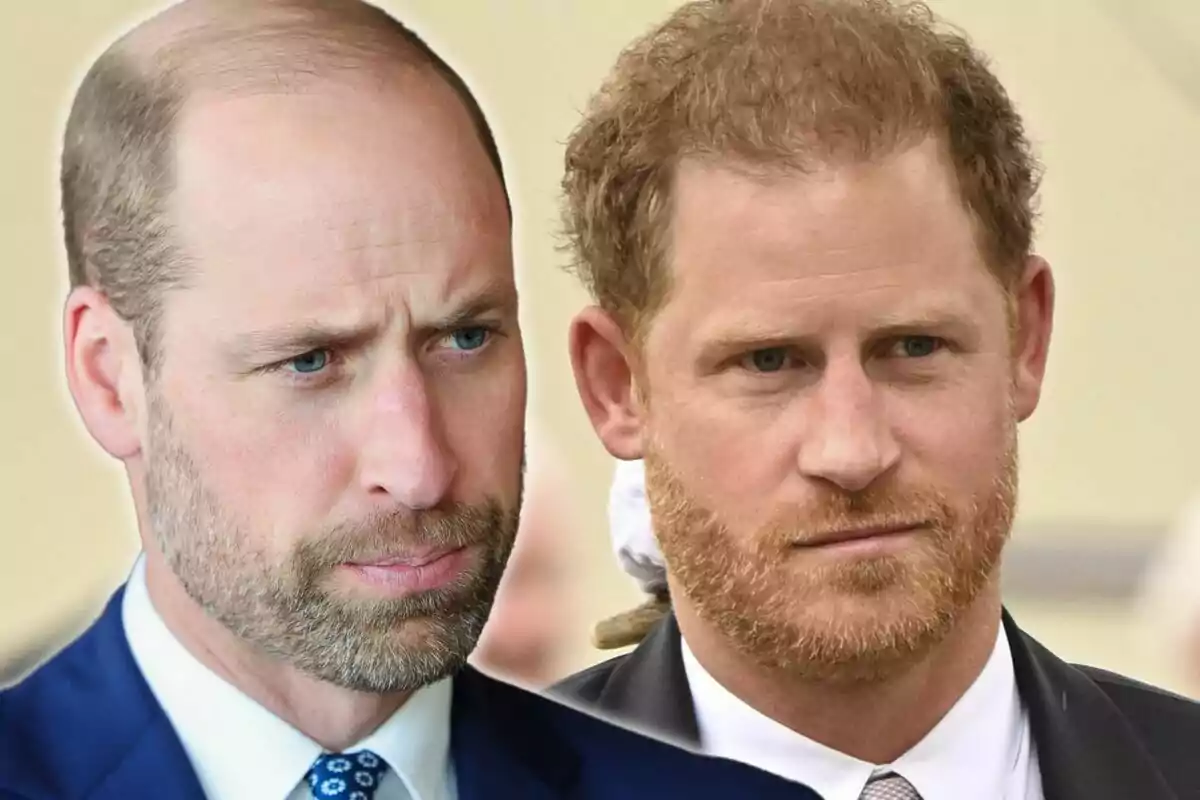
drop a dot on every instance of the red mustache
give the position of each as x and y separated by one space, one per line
841 516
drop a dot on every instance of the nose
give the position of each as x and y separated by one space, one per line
849 441
405 456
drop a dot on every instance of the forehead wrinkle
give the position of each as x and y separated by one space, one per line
433 292
812 248
342 254
476 229
796 285
774 315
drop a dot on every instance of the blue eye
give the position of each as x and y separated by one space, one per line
769 359
310 362
471 338
918 346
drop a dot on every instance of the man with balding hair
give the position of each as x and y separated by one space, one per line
293 319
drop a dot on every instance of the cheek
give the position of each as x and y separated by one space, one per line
273 469
730 456
483 424
958 445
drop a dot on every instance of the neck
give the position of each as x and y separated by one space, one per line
875 722
330 715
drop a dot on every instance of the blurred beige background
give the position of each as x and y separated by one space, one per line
1110 97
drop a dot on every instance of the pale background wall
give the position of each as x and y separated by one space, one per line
1112 452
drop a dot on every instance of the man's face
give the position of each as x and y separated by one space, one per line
830 434
334 447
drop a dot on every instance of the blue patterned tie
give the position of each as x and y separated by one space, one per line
346 776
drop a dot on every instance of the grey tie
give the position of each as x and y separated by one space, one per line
889 786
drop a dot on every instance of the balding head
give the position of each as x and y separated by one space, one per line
117 163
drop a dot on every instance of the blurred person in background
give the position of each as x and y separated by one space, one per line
1168 603
293 318
632 531
808 227
529 631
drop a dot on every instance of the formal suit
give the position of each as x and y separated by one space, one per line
1099 736
86 725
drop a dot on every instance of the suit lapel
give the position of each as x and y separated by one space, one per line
500 748
1086 749
649 689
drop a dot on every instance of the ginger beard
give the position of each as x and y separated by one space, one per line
836 620
285 608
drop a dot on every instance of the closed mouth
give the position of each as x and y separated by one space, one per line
413 559
855 534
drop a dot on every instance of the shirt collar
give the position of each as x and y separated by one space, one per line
977 743
240 750
415 741
979 740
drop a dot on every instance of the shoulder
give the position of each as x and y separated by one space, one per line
1168 724
34 716
550 715
38 701
587 685
74 716
1141 700
616 761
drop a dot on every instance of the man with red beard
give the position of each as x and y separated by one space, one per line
293 318
808 227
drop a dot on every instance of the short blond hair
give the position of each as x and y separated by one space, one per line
794 83
117 172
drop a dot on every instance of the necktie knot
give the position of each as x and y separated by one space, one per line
889 786
346 776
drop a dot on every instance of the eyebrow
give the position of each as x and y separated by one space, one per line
308 335
754 335
298 338
493 298
958 320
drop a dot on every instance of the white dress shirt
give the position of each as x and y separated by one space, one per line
241 751
982 749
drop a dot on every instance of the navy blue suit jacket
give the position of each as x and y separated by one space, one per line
86 725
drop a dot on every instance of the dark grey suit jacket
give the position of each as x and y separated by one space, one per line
1099 736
